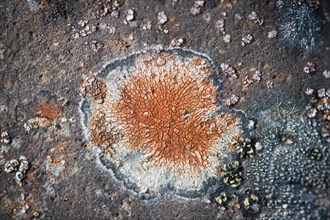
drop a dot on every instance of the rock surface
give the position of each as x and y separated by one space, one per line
49 47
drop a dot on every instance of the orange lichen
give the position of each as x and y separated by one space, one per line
166 115
95 88
56 161
56 156
232 144
62 145
100 134
49 110
155 120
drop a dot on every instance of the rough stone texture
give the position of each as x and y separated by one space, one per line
47 49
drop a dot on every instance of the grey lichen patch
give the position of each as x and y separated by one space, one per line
293 169
301 24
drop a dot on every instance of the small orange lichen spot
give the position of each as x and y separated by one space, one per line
57 153
56 161
49 110
62 145
158 124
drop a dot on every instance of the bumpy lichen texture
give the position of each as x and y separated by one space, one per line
154 117
301 23
293 170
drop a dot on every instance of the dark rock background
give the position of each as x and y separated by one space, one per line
46 51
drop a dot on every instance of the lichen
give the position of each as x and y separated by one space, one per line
155 117
292 171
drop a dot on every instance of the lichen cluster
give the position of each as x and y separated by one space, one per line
293 170
154 116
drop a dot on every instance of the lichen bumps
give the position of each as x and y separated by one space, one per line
154 117
293 170
301 24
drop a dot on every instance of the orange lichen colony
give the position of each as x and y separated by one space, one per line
49 109
158 124
166 113
47 112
